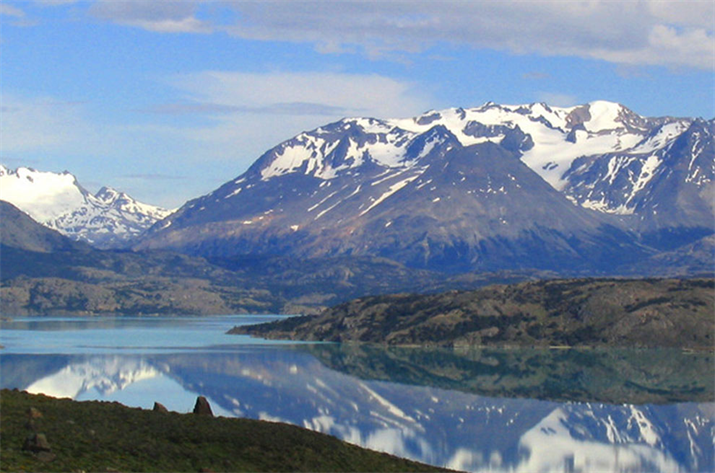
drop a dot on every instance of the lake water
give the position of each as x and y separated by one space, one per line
475 410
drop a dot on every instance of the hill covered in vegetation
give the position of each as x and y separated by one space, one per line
573 312
103 436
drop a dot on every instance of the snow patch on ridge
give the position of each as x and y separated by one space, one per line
556 145
391 190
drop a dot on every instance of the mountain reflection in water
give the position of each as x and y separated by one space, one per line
496 410
475 410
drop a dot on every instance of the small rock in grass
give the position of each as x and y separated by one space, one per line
37 443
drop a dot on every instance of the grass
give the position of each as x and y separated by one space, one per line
103 436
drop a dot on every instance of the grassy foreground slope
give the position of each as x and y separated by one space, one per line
573 312
101 436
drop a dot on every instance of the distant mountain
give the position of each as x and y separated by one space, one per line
44 272
666 182
107 219
587 188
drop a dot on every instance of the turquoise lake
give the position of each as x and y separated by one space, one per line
474 410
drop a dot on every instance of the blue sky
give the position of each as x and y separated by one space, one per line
166 100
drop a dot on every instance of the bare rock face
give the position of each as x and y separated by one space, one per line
159 407
203 407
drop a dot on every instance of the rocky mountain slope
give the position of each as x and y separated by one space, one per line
531 186
641 313
44 272
20 231
107 219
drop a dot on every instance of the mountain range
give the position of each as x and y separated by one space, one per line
44 272
107 219
587 188
454 199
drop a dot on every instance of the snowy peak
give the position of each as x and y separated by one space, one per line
549 139
603 117
58 201
42 195
664 178
352 143
466 188
122 202
110 196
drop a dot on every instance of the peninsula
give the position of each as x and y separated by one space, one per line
677 313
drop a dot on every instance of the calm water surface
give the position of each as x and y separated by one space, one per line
475 410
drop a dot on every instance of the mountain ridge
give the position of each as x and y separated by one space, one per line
319 192
107 219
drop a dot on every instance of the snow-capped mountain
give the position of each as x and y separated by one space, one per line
107 219
483 188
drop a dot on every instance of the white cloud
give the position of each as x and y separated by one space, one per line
352 94
9 10
253 112
646 32
184 25
160 16
693 13
37 124
627 32
630 32
667 46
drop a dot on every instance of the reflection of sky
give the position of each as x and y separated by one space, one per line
117 334
439 426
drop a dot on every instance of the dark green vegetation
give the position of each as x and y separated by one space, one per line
100 436
580 312
613 376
